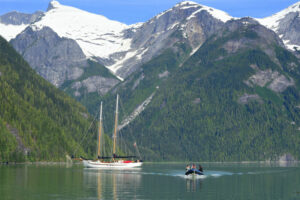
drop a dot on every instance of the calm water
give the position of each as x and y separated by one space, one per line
153 181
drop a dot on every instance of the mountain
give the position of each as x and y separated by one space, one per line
187 22
17 18
235 99
54 58
195 83
286 24
120 48
13 23
95 34
38 122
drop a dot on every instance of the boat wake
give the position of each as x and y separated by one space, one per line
207 174
217 174
175 173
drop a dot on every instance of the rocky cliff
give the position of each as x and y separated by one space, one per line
54 58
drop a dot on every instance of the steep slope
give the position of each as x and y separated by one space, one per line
60 53
54 58
286 24
95 34
120 48
235 99
37 121
187 22
183 29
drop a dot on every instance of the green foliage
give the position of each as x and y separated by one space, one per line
89 100
142 84
93 69
195 114
35 116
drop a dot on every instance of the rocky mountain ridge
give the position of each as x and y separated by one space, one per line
197 85
286 24
119 47
235 98
54 58
13 23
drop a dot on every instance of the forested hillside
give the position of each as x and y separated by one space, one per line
235 99
37 121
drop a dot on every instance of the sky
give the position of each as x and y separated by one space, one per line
133 11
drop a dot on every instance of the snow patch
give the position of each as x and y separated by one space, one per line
194 14
136 112
120 78
160 14
139 56
173 26
11 31
188 7
186 3
95 34
293 47
54 4
195 50
114 68
218 14
136 26
273 21
290 46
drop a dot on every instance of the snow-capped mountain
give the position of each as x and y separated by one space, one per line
95 34
121 48
218 14
13 23
54 58
286 24
192 21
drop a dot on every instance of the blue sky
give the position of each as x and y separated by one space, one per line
132 11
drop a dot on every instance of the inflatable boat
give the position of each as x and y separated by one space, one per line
193 172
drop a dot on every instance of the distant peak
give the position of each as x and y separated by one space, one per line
293 8
296 5
184 3
53 4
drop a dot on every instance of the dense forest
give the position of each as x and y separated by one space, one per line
210 108
38 121
235 99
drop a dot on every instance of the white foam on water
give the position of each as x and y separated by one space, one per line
207 174
216 175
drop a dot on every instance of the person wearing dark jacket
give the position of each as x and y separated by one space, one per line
200 168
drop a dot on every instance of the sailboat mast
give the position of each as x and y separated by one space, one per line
116 126
99 132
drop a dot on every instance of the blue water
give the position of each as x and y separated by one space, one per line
152 181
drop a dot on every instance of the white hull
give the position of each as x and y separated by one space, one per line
107 165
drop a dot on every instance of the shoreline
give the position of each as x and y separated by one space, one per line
153 162
40 163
